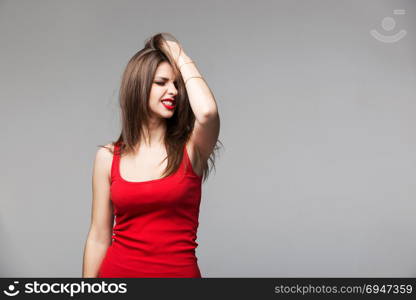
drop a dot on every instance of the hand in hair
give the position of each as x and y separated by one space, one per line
173 49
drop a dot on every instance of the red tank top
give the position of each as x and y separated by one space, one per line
156 224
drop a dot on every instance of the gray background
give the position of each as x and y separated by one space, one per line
317 177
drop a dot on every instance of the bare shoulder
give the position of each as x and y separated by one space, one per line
104 153
103 160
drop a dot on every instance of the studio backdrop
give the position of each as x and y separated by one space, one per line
317 105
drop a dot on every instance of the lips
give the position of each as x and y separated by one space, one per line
169 103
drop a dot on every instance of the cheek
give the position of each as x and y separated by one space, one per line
154 96
154 102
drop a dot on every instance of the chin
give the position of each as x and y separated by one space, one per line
166 115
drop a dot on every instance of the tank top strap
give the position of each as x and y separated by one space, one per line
115 163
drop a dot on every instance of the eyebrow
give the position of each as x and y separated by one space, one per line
161 77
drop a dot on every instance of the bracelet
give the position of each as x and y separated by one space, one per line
192 77
186 63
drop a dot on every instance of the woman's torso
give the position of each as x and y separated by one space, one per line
156 219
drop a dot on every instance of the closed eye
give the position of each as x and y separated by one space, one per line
163 83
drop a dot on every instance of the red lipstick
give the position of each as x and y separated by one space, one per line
167 104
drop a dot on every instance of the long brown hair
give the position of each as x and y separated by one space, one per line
134 93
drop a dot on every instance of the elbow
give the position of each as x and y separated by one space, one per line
207 116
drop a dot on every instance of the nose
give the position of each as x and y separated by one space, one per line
172 89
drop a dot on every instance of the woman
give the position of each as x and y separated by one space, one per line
150 178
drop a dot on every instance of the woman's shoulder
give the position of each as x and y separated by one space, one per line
103 160
106 151
104 155
110 147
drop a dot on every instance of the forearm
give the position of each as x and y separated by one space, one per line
94 254
201 98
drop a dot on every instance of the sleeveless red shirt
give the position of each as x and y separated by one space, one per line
156 224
